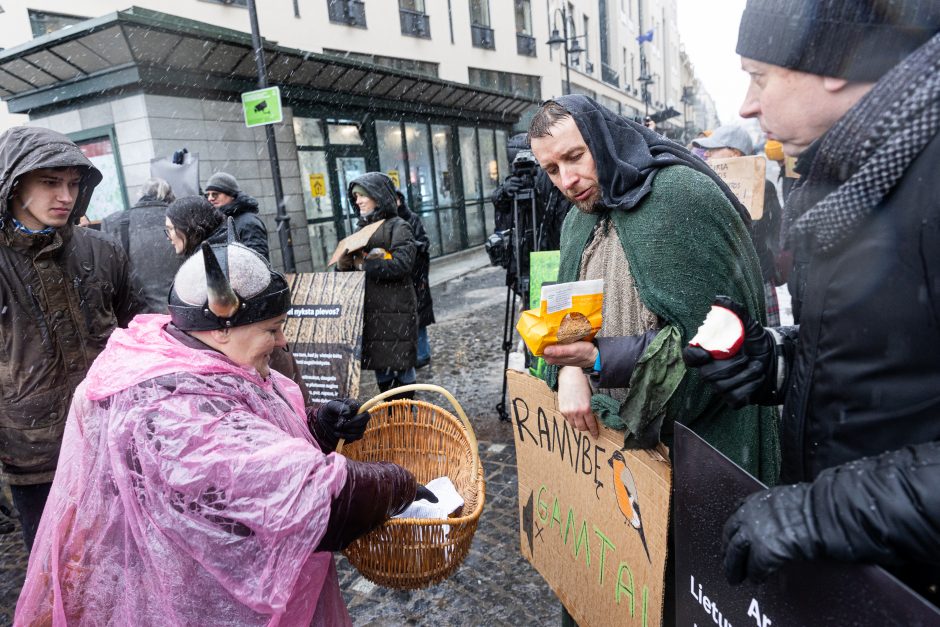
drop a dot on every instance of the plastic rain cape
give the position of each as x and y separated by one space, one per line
188 491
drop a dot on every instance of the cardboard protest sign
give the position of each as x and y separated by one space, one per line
354 242
708 489
324 331
746 176
593 518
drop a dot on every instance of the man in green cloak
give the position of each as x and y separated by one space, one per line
666 235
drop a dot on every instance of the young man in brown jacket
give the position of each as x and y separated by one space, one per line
63 289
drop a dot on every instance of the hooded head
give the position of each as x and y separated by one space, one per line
225 286
189 222
377 192
603 161
24 152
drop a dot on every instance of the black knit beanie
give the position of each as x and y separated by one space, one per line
858 40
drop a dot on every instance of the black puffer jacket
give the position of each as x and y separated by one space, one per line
390 325
248 225
61 295
865 377
422 268
153 262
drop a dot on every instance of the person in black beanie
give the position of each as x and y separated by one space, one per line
851 88
223 192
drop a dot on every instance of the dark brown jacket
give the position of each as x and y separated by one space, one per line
61 295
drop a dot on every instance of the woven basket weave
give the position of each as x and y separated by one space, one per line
413 553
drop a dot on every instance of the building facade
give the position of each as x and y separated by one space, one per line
427 91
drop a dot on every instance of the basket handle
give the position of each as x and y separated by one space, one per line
425 387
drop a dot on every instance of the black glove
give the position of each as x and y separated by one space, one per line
512 185
338 419
748 378
771 528
423 494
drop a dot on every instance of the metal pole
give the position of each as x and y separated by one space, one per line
564 28
282 219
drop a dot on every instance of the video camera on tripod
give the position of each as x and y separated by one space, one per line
510 248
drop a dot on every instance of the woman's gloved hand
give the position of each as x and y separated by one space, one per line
771 528
337 419
747 378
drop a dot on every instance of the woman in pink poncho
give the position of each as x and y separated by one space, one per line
191 488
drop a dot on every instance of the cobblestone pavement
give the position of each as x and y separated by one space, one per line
495 585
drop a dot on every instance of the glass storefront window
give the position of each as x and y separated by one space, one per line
450 229
469 164
476 229
488 162
419 161
429 219
349 169
323 242
345 134
443 162
502 160
313 174
391 152
308 132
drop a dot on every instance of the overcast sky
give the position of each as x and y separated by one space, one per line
709 31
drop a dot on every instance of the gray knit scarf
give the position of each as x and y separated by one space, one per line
868 151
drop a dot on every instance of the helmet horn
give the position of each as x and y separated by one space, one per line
223 301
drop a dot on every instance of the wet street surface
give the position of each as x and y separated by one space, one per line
494 585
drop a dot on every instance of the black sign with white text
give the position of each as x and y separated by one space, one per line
708 487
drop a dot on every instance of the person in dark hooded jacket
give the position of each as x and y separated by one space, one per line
140 232
390 316
63 289
419 276
223 192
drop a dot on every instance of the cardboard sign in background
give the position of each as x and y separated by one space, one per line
708 489
354 242
324 331
746 176
593 518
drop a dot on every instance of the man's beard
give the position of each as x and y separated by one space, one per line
590 204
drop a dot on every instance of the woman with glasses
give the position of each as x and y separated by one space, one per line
190 221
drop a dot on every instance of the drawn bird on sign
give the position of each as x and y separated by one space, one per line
625 489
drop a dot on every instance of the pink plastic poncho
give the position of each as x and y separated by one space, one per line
189 492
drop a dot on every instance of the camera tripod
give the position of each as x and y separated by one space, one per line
519 285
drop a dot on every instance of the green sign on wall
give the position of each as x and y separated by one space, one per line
262 106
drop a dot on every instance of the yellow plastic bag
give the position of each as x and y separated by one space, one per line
565 310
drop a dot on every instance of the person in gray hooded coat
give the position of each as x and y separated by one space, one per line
390 317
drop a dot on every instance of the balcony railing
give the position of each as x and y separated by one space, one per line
349 12
525 45
414 24
482 36
609 76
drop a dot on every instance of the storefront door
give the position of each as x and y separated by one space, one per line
347 168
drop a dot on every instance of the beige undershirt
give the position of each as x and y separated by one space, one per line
624 313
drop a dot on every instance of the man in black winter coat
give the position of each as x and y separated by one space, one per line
223 192
853 90
140 231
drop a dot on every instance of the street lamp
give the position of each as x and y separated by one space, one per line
572 47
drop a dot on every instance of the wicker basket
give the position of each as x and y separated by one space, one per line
412 553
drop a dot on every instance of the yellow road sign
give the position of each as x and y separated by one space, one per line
317 185
393 174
